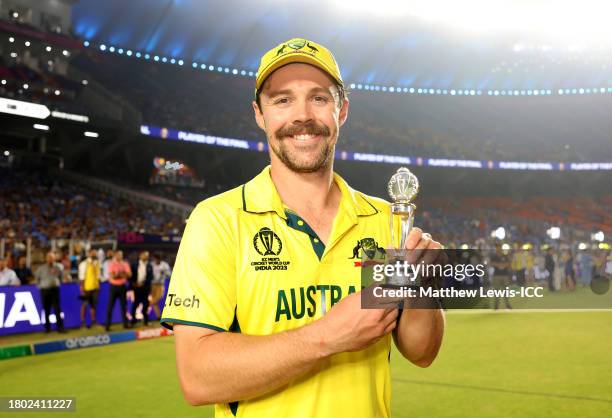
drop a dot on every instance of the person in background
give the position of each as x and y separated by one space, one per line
569 272
109 259
89 281
518 265
23 272
585 261
608 268
48 278
119 272
8 277
161 270
501 275
549 264
141 283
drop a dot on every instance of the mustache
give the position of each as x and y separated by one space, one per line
311 128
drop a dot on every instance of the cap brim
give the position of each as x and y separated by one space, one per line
290 58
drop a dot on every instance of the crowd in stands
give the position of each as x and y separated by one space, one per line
35 206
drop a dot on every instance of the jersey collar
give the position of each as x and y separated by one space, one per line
259 195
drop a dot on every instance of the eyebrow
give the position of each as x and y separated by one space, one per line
289 91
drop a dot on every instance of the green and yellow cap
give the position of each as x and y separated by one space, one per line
297 50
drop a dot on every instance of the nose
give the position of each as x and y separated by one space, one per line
303 112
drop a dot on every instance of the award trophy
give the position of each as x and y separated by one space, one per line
403 188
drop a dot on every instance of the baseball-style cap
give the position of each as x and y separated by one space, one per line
297 50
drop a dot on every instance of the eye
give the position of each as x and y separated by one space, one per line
321 99
282 100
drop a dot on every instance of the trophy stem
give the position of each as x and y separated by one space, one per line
405 214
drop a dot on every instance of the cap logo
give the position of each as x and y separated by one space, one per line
296 43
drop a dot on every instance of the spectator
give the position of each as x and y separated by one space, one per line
119 272
23 272
549 264
7 276
89 279
48 278
501 274
585 261
141 283
569 272
161 271
105 264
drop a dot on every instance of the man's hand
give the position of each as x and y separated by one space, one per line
421 247
349 327
419 334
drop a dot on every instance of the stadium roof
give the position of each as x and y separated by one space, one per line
392 48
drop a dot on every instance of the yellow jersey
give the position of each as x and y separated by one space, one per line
92 276
248 264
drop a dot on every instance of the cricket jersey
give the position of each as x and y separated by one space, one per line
248 264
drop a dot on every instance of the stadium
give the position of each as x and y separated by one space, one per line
121 121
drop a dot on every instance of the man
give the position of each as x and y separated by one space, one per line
119 272
48 278
141 283
89 279
161 270
7 276
23 272
105 264
549 264
501 274
264 261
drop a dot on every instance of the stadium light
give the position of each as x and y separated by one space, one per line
7 153
41 127
48 48
102 47
598 236
554 232
57 92
582 246
65 52
11 39
27 43
4 82
26 86
499 233
86 44
91 134
573 22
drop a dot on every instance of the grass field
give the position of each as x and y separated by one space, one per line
494 365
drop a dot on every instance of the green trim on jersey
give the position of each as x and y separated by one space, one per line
165 322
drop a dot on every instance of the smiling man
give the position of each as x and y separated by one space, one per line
264 298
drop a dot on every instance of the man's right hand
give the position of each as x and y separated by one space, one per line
349 327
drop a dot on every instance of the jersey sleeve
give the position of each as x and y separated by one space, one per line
202 289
